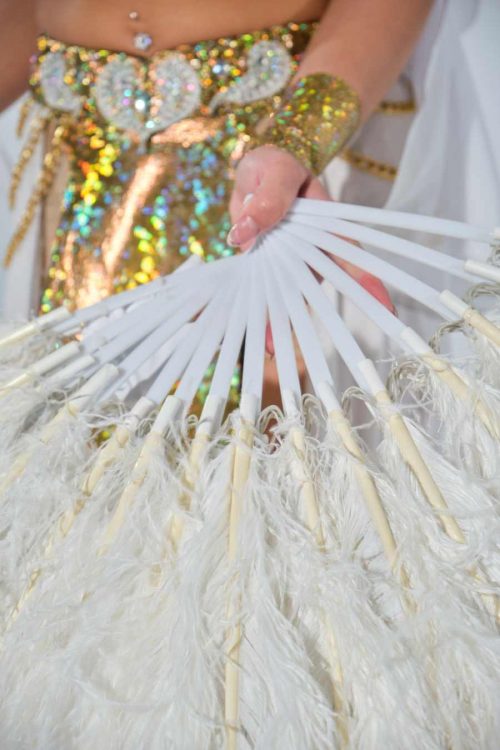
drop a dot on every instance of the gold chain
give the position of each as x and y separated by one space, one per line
38 127
396 108
43 184
24 112
367 164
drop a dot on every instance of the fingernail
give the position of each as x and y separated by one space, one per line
247 198
243 231
377 290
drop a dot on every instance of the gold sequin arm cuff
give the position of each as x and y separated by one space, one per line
319 115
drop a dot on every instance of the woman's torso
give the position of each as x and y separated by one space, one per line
106 23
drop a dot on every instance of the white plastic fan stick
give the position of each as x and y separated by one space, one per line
343 340
291 278
403 335
200 344
215 403
255 345
280 326
316 363
283 345
72 408
206 351
414 460
164 286
51 361
397 219
169 291
172 321
452 378
116 443
242 456
98 351
35 326
486 270
84 364
67 519
395 421
103 346
409 451
233 337
65 523
396 245
212 324
117 336
241 463
409 285
62 321
135 370
472 317
93 339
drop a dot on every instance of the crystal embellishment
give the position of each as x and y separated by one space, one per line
147 99
143 41
118 92
269 69
177 91
56 92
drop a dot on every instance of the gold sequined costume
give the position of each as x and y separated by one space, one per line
151 146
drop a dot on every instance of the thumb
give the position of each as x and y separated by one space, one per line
282 176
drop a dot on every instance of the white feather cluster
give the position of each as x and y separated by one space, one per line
127 645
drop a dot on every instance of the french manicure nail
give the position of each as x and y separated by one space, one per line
243 231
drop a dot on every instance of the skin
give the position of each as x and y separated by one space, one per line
366 42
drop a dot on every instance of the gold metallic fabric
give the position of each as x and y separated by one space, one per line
317 118
140 198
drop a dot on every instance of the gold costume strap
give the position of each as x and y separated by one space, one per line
24 113
37 131
45 179
318 117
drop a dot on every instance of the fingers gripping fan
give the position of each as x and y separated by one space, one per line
264 579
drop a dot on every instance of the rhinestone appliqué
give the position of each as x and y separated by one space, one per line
56 92
147 103
177 91
120 96
269 69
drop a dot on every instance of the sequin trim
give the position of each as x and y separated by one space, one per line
57 92
269 70
118 94
177 92
317 118
145 99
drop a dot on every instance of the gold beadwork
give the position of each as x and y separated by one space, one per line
404 107
37 129
369 165
23 115
42 187
319 115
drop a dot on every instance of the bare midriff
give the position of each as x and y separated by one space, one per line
113 24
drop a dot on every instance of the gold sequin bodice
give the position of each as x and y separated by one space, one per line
151 145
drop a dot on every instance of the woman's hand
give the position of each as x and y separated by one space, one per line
268 180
